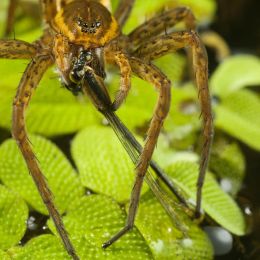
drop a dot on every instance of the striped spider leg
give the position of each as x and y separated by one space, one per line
151 47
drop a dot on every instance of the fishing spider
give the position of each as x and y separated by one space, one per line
79 38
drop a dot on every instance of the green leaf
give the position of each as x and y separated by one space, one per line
183 123
228 163
143 96
177 63
216 203
62 179
184 111
204 10
165 238
52 111
166 154
136 112
94 219
43 247
13 216
141 101
103 164
237 114
4 255
235 73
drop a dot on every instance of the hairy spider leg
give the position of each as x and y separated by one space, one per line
164 44
144 33
114 54
125 81
49 9
123 11
121 60
144 70
10 17
97 92
215 41
28 83
153 75
14 49
159 24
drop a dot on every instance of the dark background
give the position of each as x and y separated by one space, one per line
238 21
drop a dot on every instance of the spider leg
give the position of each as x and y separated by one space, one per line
164 44
123 11
50 8
10 17
16 49
121 60
215 41
28 83
153 75
159 24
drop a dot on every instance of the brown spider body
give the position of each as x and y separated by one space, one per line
80 37
86 23
81 25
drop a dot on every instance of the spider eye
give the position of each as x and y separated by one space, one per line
98 24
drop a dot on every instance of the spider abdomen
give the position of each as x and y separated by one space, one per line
87 23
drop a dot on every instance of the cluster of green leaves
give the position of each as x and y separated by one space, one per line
104 167
92 219
236 113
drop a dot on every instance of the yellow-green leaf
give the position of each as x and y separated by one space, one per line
53 109
62 179
103 164
237 114
13 216
94 219
165 239
234 73
43 247
215 202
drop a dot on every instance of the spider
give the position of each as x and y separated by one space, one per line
80 37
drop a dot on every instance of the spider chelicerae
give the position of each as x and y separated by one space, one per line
80 37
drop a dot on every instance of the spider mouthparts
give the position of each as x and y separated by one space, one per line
74 88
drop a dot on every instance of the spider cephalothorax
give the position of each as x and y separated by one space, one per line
81 29
80 37
87 23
